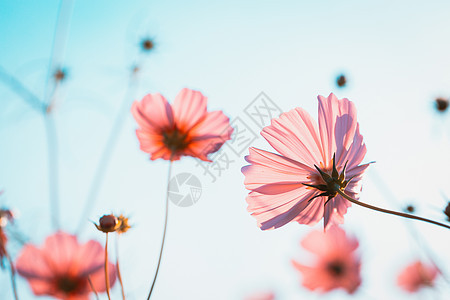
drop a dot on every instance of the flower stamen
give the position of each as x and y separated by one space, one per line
175 140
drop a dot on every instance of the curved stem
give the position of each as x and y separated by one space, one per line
390 211
164 234
106 268
119 275
13 276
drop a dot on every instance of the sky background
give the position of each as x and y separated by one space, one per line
395 55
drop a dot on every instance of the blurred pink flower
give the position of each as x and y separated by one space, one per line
337 265
261 296
278 183
185 128
416 276
62 267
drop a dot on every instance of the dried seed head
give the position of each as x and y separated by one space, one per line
410 208
108 223
124 226
341 81
147 45
59 75
441 104
447 211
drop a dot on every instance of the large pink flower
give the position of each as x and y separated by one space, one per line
336 265
62 267
300 184
416 276
185 128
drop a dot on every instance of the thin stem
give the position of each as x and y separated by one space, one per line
13 276
17 86
60 34
416 236
106 267
119 275
164 234
93 288
390 211
53 178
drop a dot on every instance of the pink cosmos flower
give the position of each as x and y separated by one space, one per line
184 128
336 266
416 276
62 267
301 184
261 296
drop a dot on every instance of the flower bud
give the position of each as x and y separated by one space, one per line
447 211
441 104
108 223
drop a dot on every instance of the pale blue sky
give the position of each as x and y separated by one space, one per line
395 54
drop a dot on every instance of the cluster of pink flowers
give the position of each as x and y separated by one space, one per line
317 171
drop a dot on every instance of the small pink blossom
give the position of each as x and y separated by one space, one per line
289 187
62 267
184 128
336 264
416 276
261 296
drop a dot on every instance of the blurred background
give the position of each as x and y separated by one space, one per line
92 59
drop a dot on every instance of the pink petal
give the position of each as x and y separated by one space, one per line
59 250
312 214
261 296
214 124
98 278
311 278
268 168
355 185
153 113
273 211
337 126
295 135
189 108
355 153
316 242
150 142
31 263
41 287
89 259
